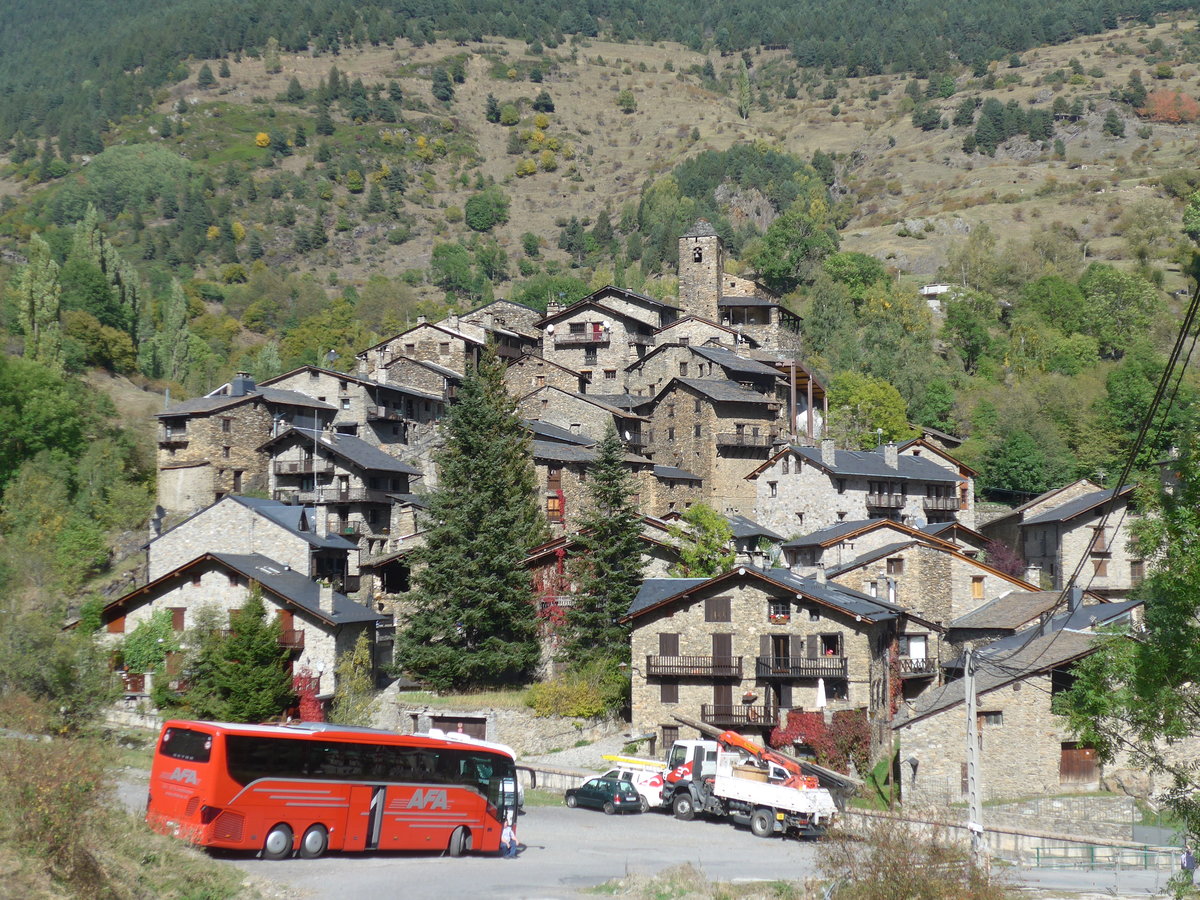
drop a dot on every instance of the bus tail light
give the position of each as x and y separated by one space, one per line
208 813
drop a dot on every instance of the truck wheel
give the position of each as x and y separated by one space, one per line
762 823
683 808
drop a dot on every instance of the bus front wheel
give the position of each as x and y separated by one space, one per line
278 844
460 841
314 843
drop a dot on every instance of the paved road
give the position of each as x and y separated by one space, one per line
566 850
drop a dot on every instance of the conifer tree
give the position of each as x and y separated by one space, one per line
609 567
355 690
324 121
251 677
474 622
270 57
743 89
39 299
205 79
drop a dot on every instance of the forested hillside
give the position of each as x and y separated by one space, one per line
273 205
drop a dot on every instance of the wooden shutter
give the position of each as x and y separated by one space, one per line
177 614
785 696
764 646
723 695
716 609
722 648
813 648
668 692
668 645
117 625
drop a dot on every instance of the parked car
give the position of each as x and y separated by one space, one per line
609 794
648 784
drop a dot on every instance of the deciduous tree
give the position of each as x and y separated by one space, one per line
705 542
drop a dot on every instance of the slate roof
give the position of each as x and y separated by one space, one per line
561 452
546 431
295 519
723 390
1084 618
414 499
354 450
869 557
365 382
284 583
201 405
1076 507
657 591
831 534
870 464
624 402
702 228
746 528
727 359
1009 611
432 366
677 474
1041 654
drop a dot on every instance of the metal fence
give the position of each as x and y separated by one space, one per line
1088 858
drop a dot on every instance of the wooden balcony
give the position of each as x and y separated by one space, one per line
172 437
886 501
795 667
292 638
577 340
347 529
694 666
383 414
949 504
637 442
643 340
302 466
351 495
758 441
917 668
738 714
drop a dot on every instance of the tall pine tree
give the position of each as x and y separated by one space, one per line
39 299
474 622
609 568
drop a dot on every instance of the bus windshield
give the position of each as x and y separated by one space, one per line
186 744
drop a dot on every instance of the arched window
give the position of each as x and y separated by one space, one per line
697 255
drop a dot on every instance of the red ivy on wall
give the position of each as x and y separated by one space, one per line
845 739
306 686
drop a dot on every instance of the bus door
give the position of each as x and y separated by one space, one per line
366 813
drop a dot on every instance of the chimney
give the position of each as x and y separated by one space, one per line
241 385
489 322
553 308
421 320
452 321
326 597
820 575
1033 574
891 457
828 454
1074 598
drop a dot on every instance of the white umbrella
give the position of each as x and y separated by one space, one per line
821 701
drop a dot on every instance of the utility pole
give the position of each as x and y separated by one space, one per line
974 787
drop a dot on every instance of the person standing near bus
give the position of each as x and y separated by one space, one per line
508 840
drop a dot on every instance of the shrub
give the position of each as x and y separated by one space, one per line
589 691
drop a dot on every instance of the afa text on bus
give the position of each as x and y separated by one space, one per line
312 787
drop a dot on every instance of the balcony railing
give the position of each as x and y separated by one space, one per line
636 441
346 529
698 666
588 337
917 668
350 495
292 638
168 437
789 667
734 714
942 503
302 467
383 414
886 501
745 440
644 340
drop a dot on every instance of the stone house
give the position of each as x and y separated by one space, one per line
717 429
670 490
1092 530
839 544
423 375
507 317
288 534
350 483
964 514
755 544
696 330
707 291
450 343
390 416
208 446
582 415
1016 682
318 623
741 649
1007 528
650 373
599 335
529 372
803 489
386 572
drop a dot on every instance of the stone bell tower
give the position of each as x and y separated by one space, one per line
701 264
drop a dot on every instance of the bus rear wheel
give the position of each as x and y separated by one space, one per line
278 844
460 841
314 843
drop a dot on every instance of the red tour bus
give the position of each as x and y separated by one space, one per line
313 787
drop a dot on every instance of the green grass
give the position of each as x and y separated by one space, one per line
514 699
543 797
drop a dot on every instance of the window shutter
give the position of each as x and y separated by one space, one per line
764 645
785 696
668 692
723 695
814 646
722 647
668 645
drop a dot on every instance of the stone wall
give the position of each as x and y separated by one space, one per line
529 373
227 527
748 626
567 411
701 266
184 487
1057 548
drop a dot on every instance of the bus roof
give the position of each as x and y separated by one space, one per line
316 730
